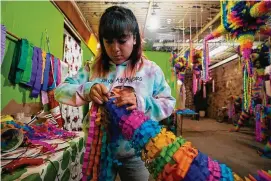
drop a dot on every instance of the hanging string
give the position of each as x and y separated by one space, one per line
178 37
201 16
269 45
197 23
190 27
48 46
191 51
183 37
47 40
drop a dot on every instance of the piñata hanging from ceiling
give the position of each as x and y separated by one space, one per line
196 68
241 20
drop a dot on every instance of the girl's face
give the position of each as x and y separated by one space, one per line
119 50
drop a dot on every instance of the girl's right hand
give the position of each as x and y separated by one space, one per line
99 93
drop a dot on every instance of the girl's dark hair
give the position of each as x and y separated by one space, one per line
115 23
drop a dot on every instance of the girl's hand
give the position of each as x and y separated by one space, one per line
126 98
99 93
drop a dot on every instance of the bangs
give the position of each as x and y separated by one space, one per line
116 27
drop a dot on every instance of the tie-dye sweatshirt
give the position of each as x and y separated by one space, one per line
152 92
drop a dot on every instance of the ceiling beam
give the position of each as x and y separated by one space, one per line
216 44
147 15
202 30
144 1
82 16
69 11
114 1
207 25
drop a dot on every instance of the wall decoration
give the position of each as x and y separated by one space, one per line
73 54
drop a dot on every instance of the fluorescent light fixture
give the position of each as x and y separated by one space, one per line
154 23
219 39
235 56
218 50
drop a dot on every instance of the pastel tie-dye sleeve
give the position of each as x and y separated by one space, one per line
161 104
75 90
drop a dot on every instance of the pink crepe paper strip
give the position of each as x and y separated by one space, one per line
195 84
92 117
48 146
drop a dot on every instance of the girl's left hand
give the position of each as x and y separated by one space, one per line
126 98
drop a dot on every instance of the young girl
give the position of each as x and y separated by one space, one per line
120 70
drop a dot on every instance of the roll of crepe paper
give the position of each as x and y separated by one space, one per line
11 138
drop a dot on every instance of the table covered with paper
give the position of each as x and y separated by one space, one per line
49 159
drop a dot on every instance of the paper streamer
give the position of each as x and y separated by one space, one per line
3 42
44 98
55 109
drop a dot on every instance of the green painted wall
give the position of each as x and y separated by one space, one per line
162 59
30 20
